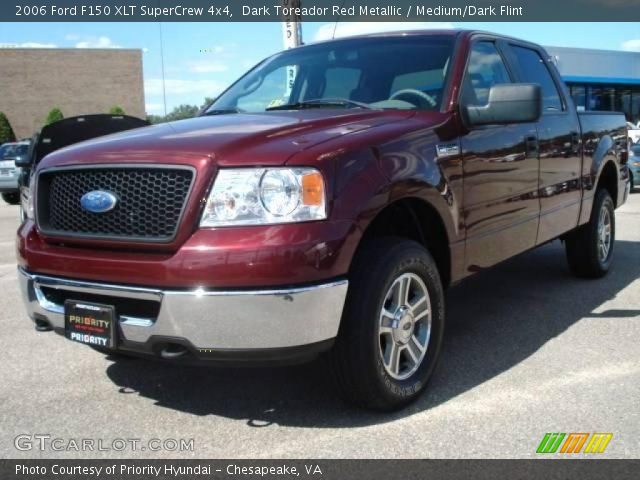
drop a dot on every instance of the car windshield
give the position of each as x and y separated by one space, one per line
405 72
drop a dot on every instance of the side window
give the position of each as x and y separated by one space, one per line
484 70
532 69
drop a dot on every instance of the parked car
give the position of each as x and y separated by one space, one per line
9 173
634 165
326 215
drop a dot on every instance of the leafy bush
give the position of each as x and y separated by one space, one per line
55 115
116 110
6 132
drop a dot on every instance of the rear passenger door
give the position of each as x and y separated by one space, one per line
500 165
559 143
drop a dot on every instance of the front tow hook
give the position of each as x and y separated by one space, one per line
173 351
43 326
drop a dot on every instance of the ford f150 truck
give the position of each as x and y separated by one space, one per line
321 205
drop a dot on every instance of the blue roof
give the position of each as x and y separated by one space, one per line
601 80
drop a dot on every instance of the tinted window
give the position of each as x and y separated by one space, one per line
579 95
9 151
602 98
484 70
532 69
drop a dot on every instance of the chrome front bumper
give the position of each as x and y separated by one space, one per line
207 321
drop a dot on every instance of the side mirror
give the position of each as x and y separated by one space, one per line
22 161
508 103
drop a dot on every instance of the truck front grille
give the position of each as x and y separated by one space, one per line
150 202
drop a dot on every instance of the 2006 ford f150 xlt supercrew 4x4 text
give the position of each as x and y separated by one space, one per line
322 205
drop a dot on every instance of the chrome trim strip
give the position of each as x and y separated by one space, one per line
210 319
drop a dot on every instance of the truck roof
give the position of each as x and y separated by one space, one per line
430 32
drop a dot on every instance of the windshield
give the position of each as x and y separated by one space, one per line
385 72
13 150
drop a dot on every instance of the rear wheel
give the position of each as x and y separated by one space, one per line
392 325
590 247
11 198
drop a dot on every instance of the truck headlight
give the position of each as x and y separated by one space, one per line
265 196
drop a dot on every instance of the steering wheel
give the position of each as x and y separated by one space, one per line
412 92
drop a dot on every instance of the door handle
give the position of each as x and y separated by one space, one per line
531 146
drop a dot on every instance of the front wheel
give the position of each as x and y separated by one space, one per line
11 198
590 247
392 326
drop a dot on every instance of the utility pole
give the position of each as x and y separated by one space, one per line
291 26
292 37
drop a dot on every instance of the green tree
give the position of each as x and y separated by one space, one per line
6 132
181 112
153 119
55 115
208 101
116 110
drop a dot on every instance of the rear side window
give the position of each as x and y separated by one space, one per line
532 69
484 70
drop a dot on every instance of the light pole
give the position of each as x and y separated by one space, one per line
292 37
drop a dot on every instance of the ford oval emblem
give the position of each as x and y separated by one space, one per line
98 201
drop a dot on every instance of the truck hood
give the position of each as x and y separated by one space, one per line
269 138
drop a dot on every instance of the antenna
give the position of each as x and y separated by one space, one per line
335 27
164 87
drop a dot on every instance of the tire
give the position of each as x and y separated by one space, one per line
585 252
11 198
360 358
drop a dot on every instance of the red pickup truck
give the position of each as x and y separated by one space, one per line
323 204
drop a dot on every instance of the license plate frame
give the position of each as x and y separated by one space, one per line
90 323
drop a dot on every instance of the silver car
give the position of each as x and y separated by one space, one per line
9 173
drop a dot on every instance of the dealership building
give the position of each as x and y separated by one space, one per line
78 81
601 80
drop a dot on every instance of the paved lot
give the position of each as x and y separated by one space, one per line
528 350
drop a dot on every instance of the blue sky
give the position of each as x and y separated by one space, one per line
201 59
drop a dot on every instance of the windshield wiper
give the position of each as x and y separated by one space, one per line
220 112
321 103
